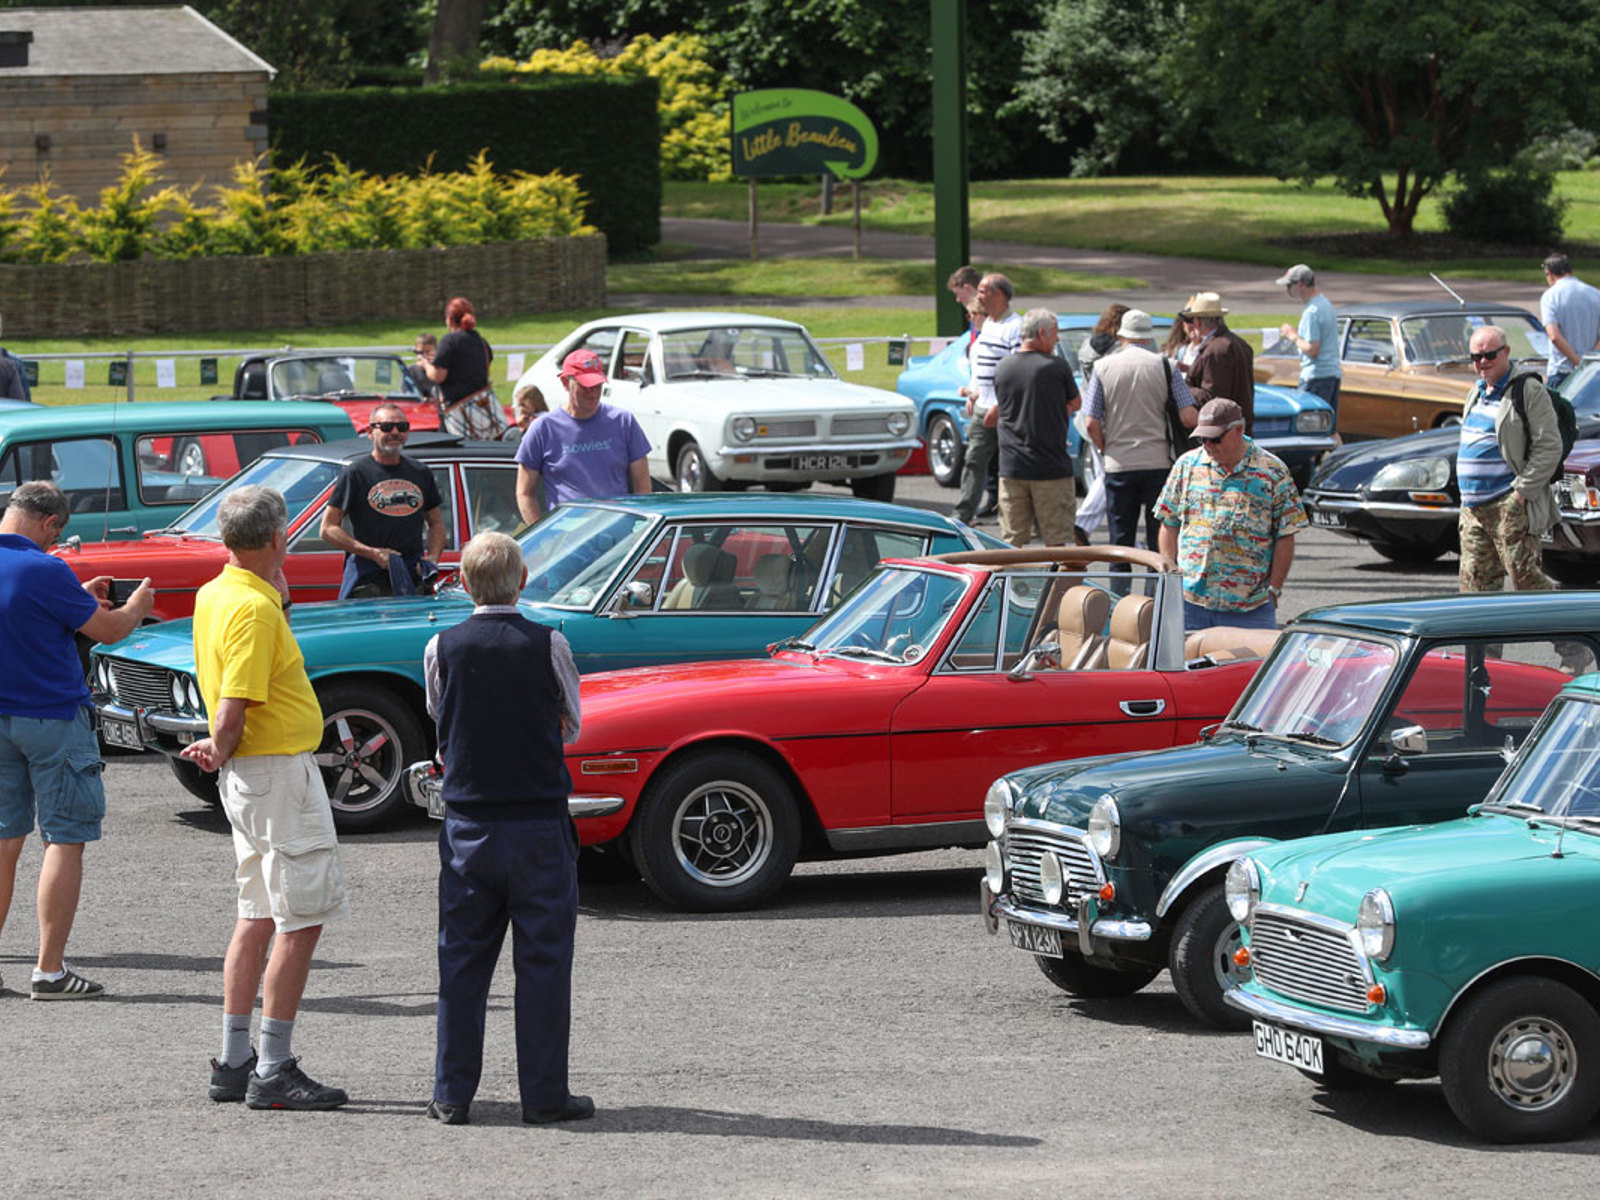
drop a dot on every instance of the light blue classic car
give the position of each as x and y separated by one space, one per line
631 582
1294 425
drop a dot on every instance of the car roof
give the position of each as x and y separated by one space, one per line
1090 320
1423 308
777 506
158 416
286 355
420 445
1471 615
662 322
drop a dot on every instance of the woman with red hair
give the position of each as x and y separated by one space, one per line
460 367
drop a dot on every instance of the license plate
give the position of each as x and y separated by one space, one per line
120 733
821 462
1332 520
1035 939
1286 1046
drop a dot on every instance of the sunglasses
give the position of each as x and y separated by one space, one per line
392 426
1487 355
1214 441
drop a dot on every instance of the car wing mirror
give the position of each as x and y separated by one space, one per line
1409 739
630 597
1043 657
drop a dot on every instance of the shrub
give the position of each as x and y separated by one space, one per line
1511 205
124 225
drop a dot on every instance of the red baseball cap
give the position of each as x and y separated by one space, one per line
584 366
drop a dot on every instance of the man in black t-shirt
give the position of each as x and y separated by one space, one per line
1035 395
390 500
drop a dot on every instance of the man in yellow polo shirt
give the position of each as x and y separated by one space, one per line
265 722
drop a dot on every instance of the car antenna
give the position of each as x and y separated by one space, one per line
1561 832
1447 288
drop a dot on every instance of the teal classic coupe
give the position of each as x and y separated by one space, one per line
1109 869
632 582
1467 950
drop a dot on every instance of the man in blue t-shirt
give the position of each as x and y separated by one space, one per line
49 754
583 450
1316 337
1570 313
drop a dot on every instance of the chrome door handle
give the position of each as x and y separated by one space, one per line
1143 708
124 529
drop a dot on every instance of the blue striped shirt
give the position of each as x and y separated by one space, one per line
1481 470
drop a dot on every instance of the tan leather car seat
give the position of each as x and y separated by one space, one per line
771 573
1228 643
707 580
1080 626
1129 645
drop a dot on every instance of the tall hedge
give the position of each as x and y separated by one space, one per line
605 131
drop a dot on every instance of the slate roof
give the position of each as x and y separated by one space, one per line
125 41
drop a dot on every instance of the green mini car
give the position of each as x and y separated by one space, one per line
1466 950
1109 869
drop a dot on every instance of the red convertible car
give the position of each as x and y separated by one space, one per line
880 729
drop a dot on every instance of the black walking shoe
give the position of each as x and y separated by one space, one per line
290 1087
577 1108
448 1114
229 1084
71 986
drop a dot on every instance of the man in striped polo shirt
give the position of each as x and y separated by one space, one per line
1504 467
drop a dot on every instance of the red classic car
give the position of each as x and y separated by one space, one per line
880 729
477 484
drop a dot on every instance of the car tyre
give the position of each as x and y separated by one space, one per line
1201 960
716 831
369 736
873 487
1408 552
1077 976
1520 1061
200 784
691 473
189 458
945 450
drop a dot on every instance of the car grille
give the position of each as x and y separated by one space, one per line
141 686
859 427
1275 427
1307 962
1024 849
797 427
1319 495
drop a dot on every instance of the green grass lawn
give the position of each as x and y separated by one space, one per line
827 277
1241 219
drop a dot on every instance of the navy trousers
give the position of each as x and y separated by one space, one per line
492 874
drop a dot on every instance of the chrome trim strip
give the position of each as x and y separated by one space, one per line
160 722
767 450
1299 441
1203 864
594 806
1326 1023
1383 508
927 835
1289 913
1111 930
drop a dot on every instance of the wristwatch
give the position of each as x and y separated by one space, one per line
1275 592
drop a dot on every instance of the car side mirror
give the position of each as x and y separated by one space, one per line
1411 739
1043 657
632 596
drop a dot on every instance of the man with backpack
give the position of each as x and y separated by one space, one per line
1512 446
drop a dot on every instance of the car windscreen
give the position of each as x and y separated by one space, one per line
299 480
1317 688
895 616
734 351
574 552
1445 337
368 374
1559 771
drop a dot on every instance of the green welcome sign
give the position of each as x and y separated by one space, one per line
796 131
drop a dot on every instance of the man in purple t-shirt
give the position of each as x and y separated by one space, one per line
583 450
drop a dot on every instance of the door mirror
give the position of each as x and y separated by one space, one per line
1410 739
632 596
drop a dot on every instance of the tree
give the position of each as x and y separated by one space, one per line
1388 97
457 28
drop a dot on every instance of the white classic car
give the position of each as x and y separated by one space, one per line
734 399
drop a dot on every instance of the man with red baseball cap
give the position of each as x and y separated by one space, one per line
583 450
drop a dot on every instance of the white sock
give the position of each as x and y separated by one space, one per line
48 976
235 1039
272 1048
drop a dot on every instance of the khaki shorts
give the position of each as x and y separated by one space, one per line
283 837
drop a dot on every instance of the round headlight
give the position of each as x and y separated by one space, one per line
1052 883
1242 888
1316 420
994 868
111 680
176 688
1415 475
1105 827
191 693
898 424
997 803
1375 924
744 428
102 675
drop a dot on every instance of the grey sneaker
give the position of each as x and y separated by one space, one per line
290 1087
228 1084
71 986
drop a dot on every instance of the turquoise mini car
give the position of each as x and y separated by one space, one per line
127 468
1467 950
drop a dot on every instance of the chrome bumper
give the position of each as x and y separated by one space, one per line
1000 907
1386 508
1317 443
1326 1023
424 787
766 451
185 729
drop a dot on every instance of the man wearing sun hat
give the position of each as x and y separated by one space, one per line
583 450
1224 364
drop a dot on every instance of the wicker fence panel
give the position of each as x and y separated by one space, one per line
302 292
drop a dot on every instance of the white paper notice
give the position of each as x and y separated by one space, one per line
516 364
936 345
1270 337
74 368
166 372
855 357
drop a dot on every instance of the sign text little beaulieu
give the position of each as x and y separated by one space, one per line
796 131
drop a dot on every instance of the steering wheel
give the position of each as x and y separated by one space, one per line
1590 806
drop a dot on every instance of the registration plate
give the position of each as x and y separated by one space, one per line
821 462
1332 520
1035 939
1286 1046
120 733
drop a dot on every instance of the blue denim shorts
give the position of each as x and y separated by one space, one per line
53 767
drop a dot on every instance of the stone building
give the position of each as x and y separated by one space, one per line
78 84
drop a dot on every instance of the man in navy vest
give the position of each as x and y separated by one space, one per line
504 693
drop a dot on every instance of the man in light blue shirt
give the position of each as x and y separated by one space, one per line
1317 337
1570 312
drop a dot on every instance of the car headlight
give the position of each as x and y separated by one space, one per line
1375 924
997 802
1316 420
1105 827
102 675
744 428
191 693
176 688
898 424
1242 889
994 868
1414 475
111 680
1052 882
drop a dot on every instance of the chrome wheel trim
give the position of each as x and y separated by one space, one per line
943 446
360 759
1229 973
691 470
192 461
722 834
1532 1065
